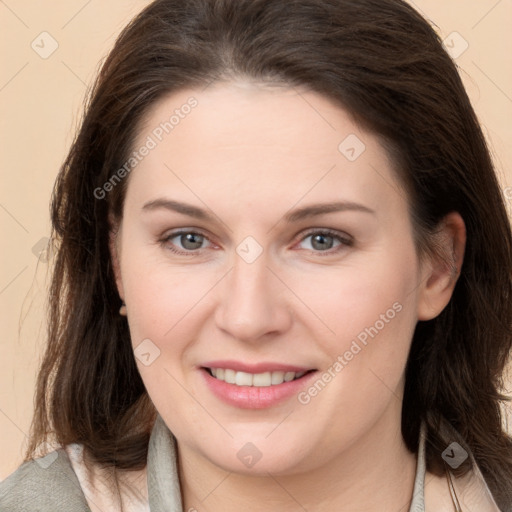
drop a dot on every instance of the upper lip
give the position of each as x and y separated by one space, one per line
255 368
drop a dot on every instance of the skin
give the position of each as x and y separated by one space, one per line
249 154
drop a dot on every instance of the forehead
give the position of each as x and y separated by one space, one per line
266 144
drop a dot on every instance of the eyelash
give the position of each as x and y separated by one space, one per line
164 241
345 241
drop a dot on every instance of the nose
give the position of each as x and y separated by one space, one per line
252 302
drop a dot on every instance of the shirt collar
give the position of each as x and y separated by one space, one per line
163 484
418 494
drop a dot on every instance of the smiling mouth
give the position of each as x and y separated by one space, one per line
264 379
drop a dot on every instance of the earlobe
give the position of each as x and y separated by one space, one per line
442 268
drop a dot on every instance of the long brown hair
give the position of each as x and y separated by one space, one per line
384 63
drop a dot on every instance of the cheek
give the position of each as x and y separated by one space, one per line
166 311
368 316
372 314
350 299
164 301
160 300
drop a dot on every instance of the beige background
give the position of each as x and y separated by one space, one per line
40 101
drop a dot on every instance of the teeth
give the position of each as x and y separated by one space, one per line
254 379
229 376
277 377
288 376
243 379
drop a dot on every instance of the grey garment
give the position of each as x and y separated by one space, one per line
49 484
163 483
418 493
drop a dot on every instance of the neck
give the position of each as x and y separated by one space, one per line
376 473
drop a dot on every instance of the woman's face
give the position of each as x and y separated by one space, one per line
265 235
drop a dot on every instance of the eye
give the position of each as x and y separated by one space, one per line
325 241
183 242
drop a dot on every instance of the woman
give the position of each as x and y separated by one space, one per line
283 273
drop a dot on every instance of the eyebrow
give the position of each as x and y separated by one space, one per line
323 208
291 216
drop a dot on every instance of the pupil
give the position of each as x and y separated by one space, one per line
322 242
191 241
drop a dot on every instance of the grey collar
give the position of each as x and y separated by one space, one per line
162 471
418 495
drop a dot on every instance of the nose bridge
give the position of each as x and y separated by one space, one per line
251 304
249 280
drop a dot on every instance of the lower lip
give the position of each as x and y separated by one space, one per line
254 397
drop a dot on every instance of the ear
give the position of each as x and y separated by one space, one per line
114 247
441 269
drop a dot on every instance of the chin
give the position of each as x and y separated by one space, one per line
259 457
